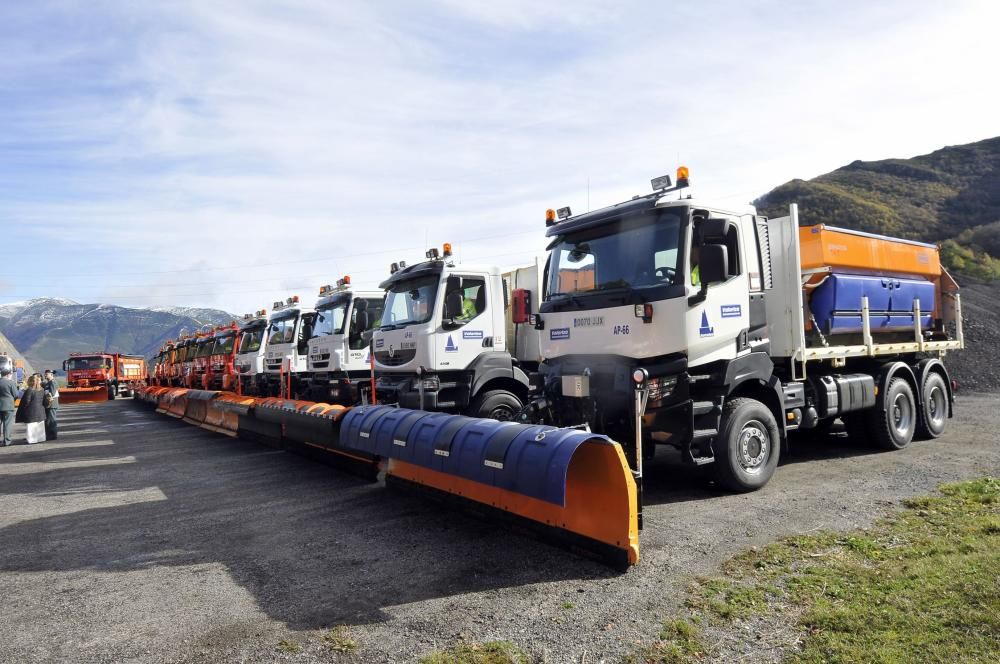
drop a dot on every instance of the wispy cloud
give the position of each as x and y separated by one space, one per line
224 153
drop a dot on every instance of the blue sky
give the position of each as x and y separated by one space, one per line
229 154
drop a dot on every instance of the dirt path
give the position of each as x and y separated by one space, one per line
139 538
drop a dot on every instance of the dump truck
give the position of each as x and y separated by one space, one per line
714 330
101 376
249 361
287 350
220 372
447 341
338 368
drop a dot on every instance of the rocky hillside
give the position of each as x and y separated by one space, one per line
46 330
950 196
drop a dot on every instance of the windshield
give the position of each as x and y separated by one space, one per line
330 319
204 348
282 331
409 302
616 257
78 363
224 344
250 340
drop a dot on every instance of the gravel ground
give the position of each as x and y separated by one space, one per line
136 537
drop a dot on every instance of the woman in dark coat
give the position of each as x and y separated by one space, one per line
31 410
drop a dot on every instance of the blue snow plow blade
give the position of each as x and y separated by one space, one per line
530 460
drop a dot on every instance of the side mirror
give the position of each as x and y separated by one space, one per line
713 264
521 301
453 305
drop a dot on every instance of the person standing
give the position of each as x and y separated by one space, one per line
31 410
51 405
8 396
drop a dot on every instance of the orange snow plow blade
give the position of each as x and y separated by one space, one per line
571 486
223 413
83 394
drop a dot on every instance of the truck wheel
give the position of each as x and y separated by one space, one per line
496 405
894 418
747 447
112 392
933 407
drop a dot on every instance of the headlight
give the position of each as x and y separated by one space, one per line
659 388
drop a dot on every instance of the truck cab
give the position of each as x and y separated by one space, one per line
204 341
669 285
339 362
88 369
220 374
443 339
286 347
249 361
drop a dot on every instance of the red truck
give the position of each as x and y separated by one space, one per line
101 376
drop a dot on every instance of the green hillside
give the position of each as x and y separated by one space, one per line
950 196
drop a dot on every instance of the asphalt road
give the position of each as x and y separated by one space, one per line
136 537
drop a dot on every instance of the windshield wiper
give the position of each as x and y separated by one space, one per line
569 296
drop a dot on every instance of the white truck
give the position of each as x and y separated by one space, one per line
286 348
339 362
712 329
249 363
448 341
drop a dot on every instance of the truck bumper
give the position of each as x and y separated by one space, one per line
338 388
443 391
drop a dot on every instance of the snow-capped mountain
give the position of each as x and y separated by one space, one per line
46 330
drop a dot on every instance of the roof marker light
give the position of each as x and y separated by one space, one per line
682 176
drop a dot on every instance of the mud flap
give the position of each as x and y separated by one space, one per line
572 486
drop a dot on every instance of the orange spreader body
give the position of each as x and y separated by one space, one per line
853 251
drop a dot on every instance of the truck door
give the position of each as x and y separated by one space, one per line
716 325
467 320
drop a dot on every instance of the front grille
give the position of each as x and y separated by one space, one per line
399 358
273 366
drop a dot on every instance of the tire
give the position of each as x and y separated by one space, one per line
933 407
496 405
112 393
893 421
748 446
